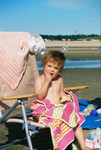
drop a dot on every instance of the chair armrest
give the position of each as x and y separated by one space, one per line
18 97
76 88
35 94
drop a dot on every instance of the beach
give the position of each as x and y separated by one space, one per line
84 44
73 77
79 77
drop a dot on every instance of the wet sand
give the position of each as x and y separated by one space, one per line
80 54
79 77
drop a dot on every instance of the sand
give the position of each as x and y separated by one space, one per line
92 43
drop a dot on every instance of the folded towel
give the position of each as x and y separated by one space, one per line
13 56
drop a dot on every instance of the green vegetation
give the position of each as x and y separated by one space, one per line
77 37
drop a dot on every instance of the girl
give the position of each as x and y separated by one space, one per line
54 104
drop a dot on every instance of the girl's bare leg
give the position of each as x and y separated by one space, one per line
80 137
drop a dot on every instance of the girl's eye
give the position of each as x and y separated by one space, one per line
49 65
56 68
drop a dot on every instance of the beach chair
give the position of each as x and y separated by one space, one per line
22 96
26 119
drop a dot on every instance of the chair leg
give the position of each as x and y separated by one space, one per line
22 103
26 125
8 112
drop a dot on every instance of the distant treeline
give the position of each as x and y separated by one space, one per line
71 37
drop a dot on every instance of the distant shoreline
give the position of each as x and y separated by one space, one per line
92 43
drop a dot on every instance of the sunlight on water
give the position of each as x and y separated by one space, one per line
82 64
78 64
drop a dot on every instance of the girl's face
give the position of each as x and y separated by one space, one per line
52 68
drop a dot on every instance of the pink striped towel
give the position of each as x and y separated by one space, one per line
13 56
63 119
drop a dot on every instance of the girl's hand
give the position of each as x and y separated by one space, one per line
48 77
69 98
66 98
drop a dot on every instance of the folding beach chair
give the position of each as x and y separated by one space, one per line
21 95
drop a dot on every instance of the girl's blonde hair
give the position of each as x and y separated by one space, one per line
54 56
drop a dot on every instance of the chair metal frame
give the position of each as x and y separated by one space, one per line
22 100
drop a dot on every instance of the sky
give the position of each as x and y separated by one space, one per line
51 17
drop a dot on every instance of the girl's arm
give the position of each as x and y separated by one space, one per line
41 86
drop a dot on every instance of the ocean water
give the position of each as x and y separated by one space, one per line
77 64
82 64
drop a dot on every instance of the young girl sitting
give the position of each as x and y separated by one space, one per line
55 107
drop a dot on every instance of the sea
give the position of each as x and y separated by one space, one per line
77 64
